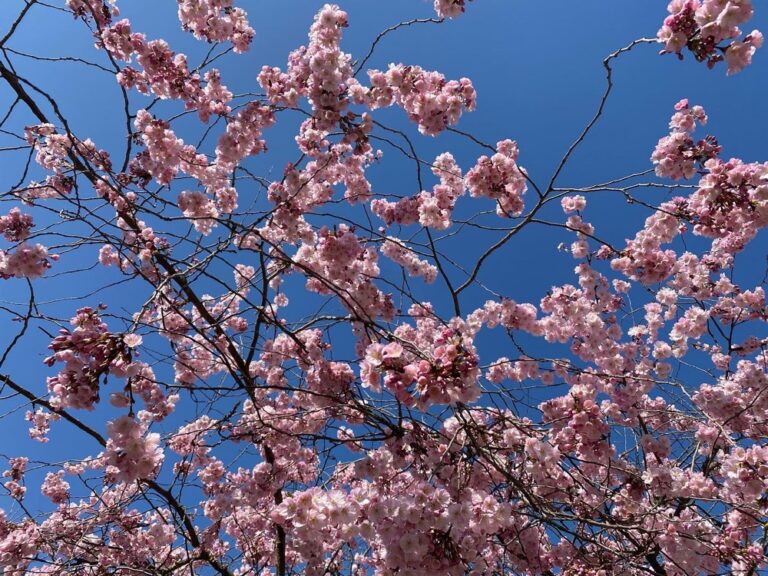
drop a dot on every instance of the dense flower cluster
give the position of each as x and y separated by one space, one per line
703 25
440 361
88 352
217 21
320 71
18 466
99 11
499 178
396 250
130 451
449 8
615 425
41 424
431 101
15 226
26 261
430 209
243 135
166 155
55 488
339 263
677 156
200 209
164 73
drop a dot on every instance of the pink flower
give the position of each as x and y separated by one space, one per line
739 54
500 179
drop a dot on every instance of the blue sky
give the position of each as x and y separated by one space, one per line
536 67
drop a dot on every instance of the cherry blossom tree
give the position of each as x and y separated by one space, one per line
302 382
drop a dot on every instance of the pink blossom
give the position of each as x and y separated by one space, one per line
430 101
739 54
499 178
397 251
200 210
133 454
449 8
676 156
703 25
15 226
216 21
55 487
25 261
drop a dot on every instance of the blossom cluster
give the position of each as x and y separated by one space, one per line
426 363
449 8
55 153
41 424
320 71
339 263
199 209
164 73
396 250
99 11
15 226
26 261
431 101
499 178
677 156
217 21
431 209
132 452
87 353
15 474
702 26
166 155
369 439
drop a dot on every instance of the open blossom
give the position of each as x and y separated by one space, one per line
216 21
444 371
731 204
430 100
108 256
644 259
575 203
41 424
15 226
199 209
436 207
449 8
15 474
397 251
132 452
319 71
739 54
55 487
25 261
677 156
339 256
121 41
243 135
702 26
98 10
86 353
165 152
165 73
54 153
432 209
499 178
189 439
